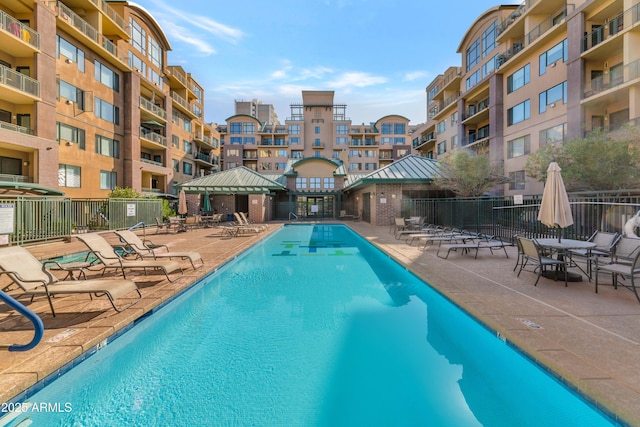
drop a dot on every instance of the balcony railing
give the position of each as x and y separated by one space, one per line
151 162
15 178
113 15
178 75
153 108
15 128
17 80
203 157
152 136
181 101
614 26
18 29
475 109
613 79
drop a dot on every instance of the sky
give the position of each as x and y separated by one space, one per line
378 56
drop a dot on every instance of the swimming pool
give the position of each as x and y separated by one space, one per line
313 326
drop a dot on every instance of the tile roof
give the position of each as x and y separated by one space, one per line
408 169
240 180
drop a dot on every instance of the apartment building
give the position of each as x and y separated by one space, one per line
265 113
317 127
533 74
88 102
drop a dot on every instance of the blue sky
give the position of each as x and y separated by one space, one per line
378 56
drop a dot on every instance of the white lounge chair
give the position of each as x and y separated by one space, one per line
146 249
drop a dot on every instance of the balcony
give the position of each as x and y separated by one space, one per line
114 24
476 113
176 76
73 23
318 144
15 178
203 158
15 128
615 78
17 39
183 105
151 162
152 108
22 89
613 27
152 137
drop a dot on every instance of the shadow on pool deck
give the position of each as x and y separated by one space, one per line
588 340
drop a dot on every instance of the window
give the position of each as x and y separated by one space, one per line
137 63
442 147
557 52
106 76
317 130
107 146
454 118
187 168
473 79
266 166
71 93
518 79
232 152
138 36
294 140
108 180
553 134
454 141
386 140
355 153
106 111
371 154
401 153
155 53
431 93
370 166
249 128
355 166
175 141
386 128
336 154
551 96
399 141
317 142
297 155
473 54
70 133
279 142
518 113
489 66
68 176
301 183
294 129
69 51
280 166
265 153
235 128
186 124
235 140
518 147
489 38
314 183
281 153
328 183
187 147
176 165
442 126
516 180
342 140
342 129
157 79
399 129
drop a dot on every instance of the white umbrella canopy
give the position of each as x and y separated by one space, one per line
555 210
182 203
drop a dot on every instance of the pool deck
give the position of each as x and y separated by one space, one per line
589 340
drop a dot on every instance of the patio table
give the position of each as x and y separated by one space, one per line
561 248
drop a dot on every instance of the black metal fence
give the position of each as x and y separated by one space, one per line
44 218
500 216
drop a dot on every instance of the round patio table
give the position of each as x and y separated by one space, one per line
562 247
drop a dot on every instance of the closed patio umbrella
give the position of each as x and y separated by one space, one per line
555 210
182 203
206 204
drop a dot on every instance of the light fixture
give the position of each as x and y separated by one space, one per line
69 143
25 163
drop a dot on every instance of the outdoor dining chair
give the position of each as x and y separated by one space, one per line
605 246
532 254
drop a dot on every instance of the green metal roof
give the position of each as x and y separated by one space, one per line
409 169
27 189
240 180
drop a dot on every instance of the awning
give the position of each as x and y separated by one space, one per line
11 188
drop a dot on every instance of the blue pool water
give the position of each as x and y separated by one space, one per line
312 327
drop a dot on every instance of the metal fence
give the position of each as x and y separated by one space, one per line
45 218
500 216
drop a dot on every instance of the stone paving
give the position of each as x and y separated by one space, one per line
588 340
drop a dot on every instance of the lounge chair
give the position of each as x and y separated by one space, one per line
111 260
147 249
482 242
248 223
243 227
34 279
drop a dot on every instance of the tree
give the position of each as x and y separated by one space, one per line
598 161
469 174
124 193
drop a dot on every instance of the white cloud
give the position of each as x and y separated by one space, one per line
356 79
415 75
177 32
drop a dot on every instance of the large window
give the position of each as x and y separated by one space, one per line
68 176
249 128
473 54
106 76
70 52
489 38
489 66
553 134
473 79
399 129
137 63
328 183
71 134
108 180
106 111
138 36
342 129
107 146
516 180
442 147
155 53
71 93
314 183
442 126
557 52
187 147
187 168
549 97
518 147
235 128
294 129
399 141
301 183
518 79
519 113
387 128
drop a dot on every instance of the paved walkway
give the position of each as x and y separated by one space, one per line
589 340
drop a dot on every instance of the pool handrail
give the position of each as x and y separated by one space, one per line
31 316
291 214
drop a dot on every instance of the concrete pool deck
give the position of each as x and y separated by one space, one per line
589 340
